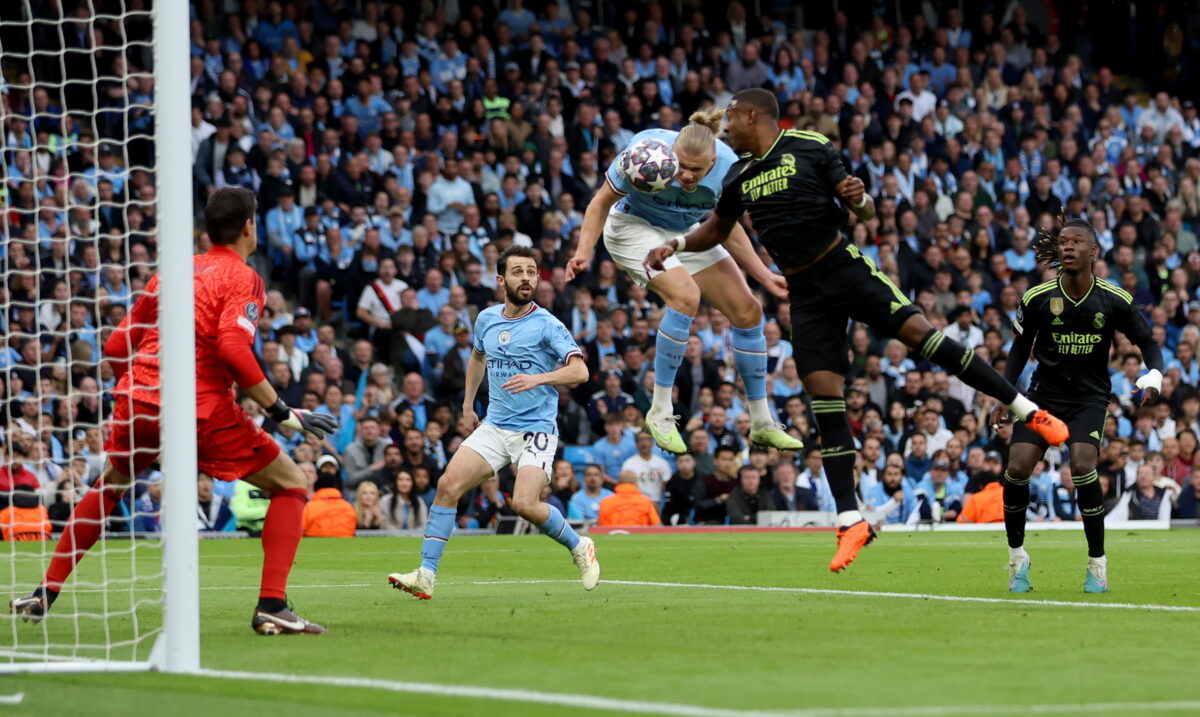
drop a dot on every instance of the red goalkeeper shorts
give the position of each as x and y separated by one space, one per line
229 445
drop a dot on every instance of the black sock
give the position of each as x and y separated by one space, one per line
966 364
837 450
50 594
1090 500
1016 502
271 604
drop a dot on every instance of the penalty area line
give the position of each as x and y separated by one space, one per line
613 704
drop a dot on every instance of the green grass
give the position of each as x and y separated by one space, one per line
736 650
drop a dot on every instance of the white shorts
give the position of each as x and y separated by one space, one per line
629 239
501 447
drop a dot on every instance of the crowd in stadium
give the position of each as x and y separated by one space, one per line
395 153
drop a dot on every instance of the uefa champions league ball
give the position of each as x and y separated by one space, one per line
650 165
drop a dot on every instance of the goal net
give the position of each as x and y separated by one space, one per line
85 218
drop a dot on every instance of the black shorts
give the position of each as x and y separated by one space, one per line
1085 422
842 286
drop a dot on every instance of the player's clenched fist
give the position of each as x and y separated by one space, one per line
659 254
299 419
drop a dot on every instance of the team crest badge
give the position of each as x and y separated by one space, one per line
787 160
1098 320
1056 306
252 311
504 337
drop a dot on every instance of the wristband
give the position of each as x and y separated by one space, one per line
279 411
680 243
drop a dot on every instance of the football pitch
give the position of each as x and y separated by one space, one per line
702 625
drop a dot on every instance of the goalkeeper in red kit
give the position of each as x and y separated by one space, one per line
229 298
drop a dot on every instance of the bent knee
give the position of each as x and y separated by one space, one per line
686 301
524 506
748 315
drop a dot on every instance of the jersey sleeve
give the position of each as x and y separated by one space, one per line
559 341
238 324
1133 324
615 177
835 165
480 326
729 206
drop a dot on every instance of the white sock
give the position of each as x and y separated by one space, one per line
847 518
761 415
660 405
1102 561
1015 554
1022 407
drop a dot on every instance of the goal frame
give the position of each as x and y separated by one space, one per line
177 647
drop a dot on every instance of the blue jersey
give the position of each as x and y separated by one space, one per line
673 208
532 343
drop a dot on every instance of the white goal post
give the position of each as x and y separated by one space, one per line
152 620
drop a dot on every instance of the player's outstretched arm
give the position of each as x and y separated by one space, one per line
591 229
476 366
710 233
572 374
297 419
123 343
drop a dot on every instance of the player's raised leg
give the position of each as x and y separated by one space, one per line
682 298
283 481
1023 456
467 470
526 501
724 286
960 361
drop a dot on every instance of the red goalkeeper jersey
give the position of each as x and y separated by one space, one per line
229 298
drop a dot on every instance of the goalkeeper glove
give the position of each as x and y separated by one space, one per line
298 419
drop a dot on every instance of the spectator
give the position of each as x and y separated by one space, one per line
986 506
683 491
787 495
213 509
615 447
748 498
627 505
585 504
369 515
652 471
718 487
24 517
402 507
328 514
365 456
1147 496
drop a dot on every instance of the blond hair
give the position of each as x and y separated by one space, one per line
698 139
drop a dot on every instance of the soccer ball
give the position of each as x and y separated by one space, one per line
650 165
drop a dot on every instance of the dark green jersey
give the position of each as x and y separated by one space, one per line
789 192
1072 339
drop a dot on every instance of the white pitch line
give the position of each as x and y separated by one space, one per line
497 693
613 704
754 588
875 593
12 699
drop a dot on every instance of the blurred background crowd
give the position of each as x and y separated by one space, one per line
397 148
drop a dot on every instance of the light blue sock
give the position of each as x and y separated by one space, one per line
672 337
437 532
557 527
750 357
